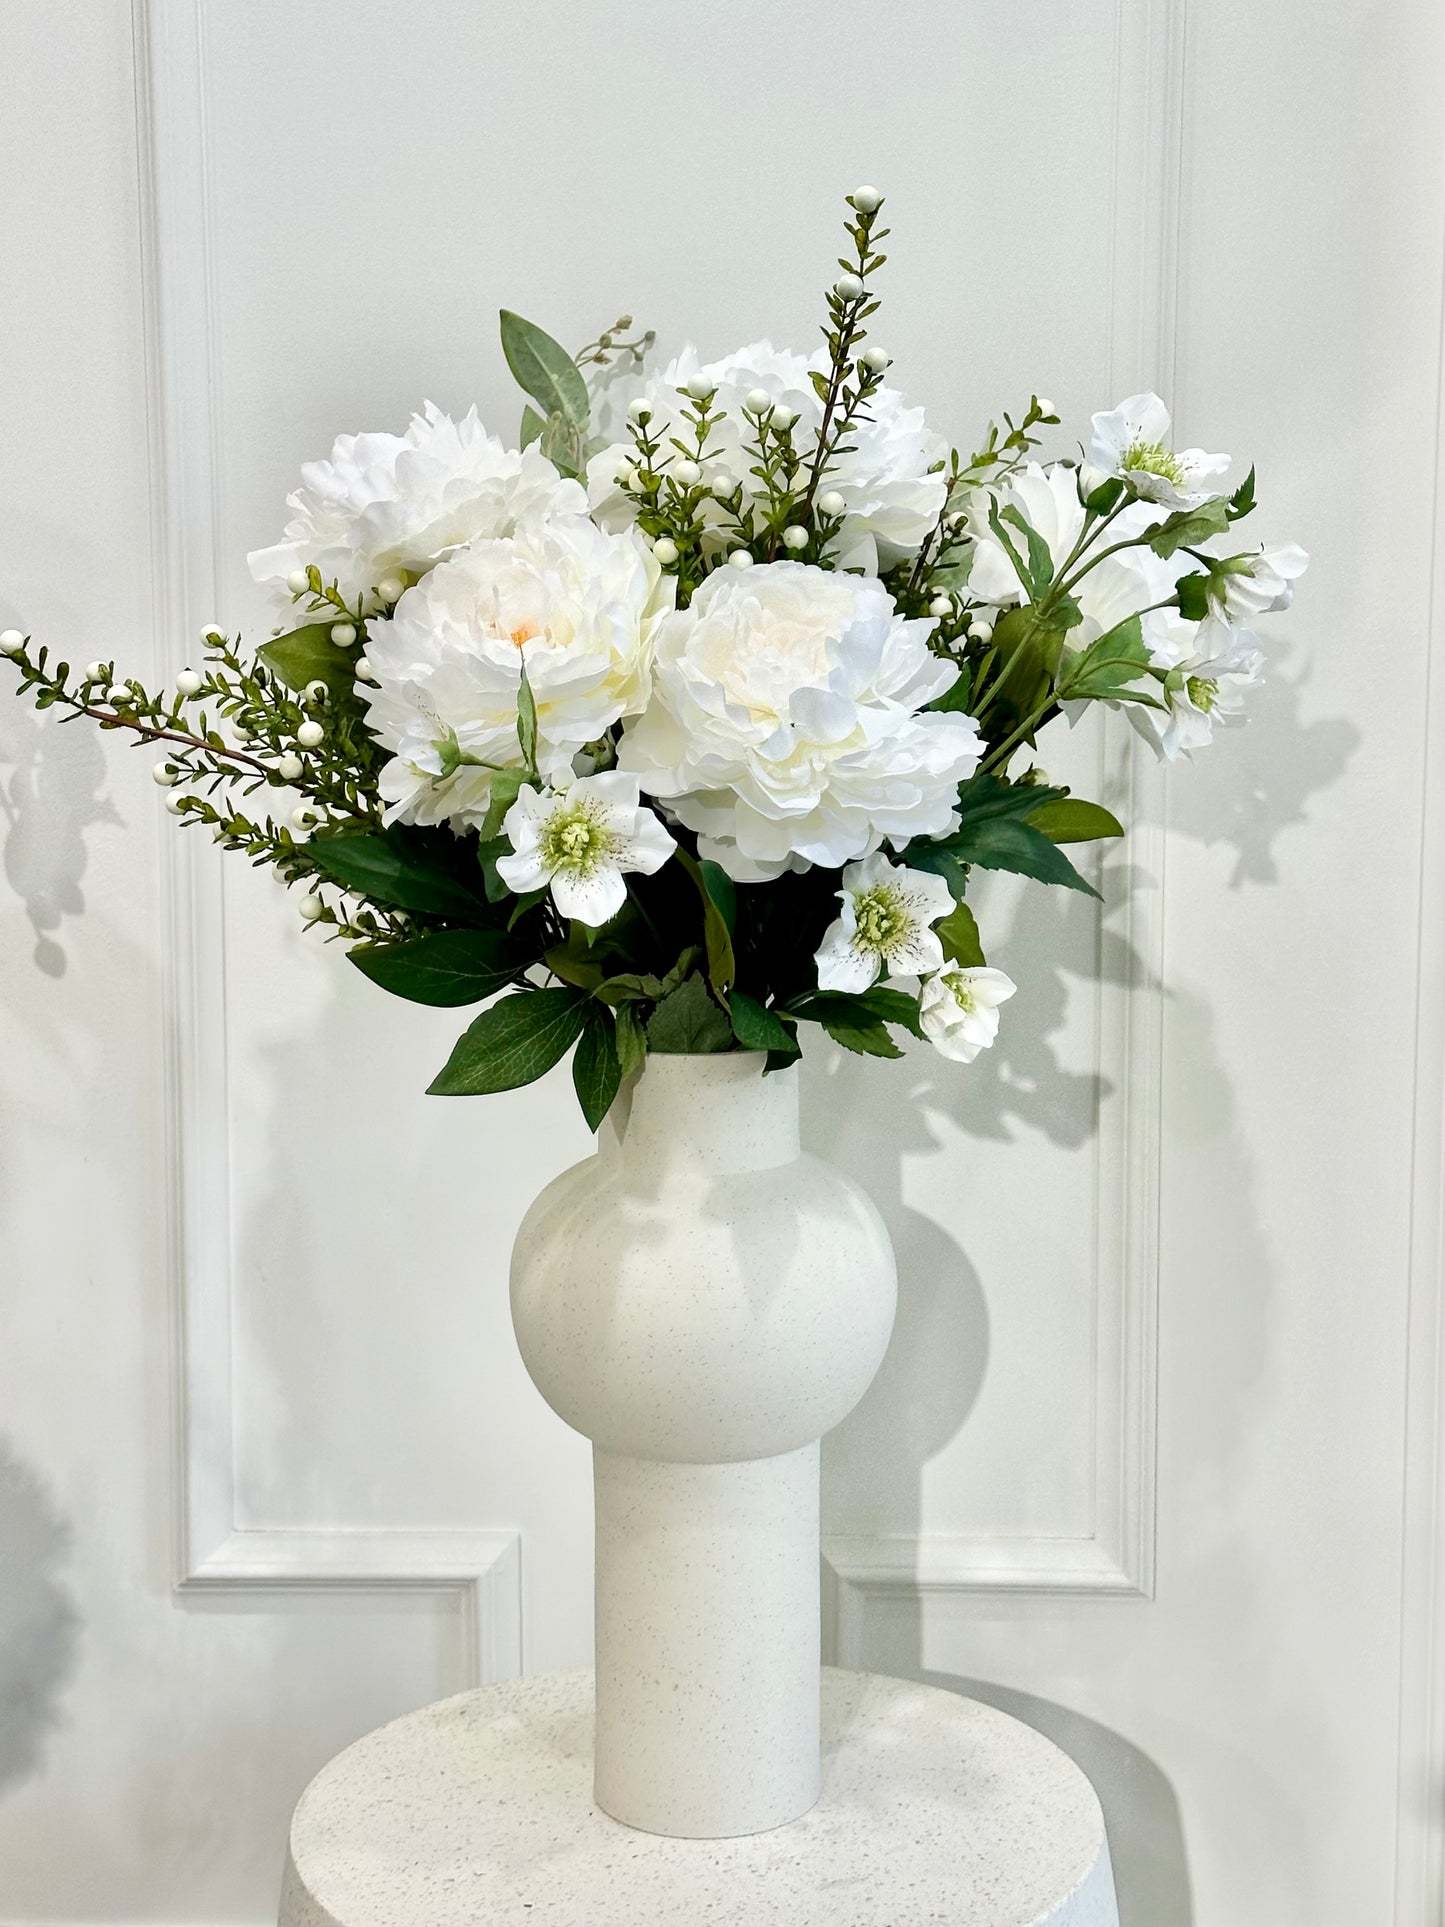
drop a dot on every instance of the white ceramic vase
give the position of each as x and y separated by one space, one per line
704 1301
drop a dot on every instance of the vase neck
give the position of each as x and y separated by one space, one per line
711 1113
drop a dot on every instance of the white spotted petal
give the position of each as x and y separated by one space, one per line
884 929
580 841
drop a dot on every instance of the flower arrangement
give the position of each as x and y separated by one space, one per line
678 735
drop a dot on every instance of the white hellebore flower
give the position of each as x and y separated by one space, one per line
884 928
890 495
1204 686
580 841
1132 441
581 607
387 504
787 724
959 1009
1261 583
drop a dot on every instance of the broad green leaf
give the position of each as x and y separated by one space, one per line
958 695
526 719
398 867
513 1043
958 933
629 988
544 370
943 861
309 655
757 1028
1029 652
849 1024
446 967
596 1067
1119 657
723 891
1040 562
1020 567
532 426
1187 527
1193 593
687 1020
1071 820
1006 843
721 967
985 796
631 1040
1104 496
891 1007
502 793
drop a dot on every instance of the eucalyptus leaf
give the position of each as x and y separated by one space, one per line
687 1021
544 370
445 968
514 1042
531 428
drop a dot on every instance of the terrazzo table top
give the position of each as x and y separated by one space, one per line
477 1812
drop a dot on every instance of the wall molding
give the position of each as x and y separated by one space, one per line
211 1552
1117 1557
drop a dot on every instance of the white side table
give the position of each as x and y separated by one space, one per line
477 1812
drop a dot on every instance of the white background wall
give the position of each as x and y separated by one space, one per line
1154 1461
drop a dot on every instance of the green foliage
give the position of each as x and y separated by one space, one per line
721 964
526 723
309 655
1009 843
401 866
687 1019
1188 527
630 1040
757 1028
1070 819
958 933
514 1042
1119 657
444 967
596 1066
544 370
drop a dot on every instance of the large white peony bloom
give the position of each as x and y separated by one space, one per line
785 724
394 505
581 606
890 498
1132 441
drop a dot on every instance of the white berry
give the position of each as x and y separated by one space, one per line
343 634
665 550
981 631
212 632
795 536
831 503
310 734
364 670
315 692
700 386
164 775
289 766
298 582
941 605
686 474
95 672
390 590
117 694
303 818
875 359
741 559
188 683
721 483
866 199
757 401
848 287
11 642
176 804
310 907
783 418
1044 406
639 410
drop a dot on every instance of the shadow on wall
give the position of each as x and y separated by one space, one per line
39 1626
49 799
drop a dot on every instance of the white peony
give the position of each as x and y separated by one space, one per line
959 1009
579 841
395 505
1132 441
891 498
1208 670
581 606
785 724
884 929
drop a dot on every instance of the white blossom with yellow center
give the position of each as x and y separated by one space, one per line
884 928
580 842
959 1009
1132 442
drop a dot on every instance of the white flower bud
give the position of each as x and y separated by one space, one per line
831 503
626 475
188 683
941 605
390 590
164 775
757 401
639 410
866 199
95 672
315 692
741 559
1045 407
310 734
848 287
981 631
212 631
310 907
343 634
298 582
11 642
303 818
623 321
665 549
721 482
175 803
795 536
364 670
783 418
700 386
875 359
685 474
118 694
289 766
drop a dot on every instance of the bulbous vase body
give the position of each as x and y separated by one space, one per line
704 1301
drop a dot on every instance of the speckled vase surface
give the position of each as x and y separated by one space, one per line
703 1300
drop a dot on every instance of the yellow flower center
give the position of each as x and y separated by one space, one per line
1154 459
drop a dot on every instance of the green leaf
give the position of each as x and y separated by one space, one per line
1041 563
1006 843
526 719
400 867
631 1040
1187 527
1119 657
848 1022
513 1043
596 1068
1072 820
723 892
721 966
1241 503
309 655
1104 496
629 988
891 1007
1021 570
502 792
446 967
1193 593
687 1020
757 1028
958 933
544 370
958 695
984 796
532 426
